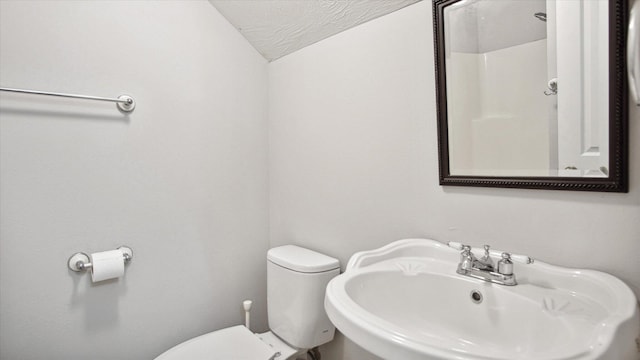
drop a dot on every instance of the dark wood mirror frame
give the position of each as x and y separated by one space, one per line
617 181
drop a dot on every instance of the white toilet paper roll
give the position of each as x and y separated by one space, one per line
107 265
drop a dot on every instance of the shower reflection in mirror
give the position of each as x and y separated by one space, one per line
533 78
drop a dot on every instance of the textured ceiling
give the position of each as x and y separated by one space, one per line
279 27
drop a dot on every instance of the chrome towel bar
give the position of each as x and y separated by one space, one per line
124 102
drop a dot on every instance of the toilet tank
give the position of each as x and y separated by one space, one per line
296 283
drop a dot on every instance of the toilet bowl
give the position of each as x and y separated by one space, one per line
296 282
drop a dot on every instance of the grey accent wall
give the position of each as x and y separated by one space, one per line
182 179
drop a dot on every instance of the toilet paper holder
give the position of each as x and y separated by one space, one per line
81 261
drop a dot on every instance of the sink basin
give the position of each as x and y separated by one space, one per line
406 301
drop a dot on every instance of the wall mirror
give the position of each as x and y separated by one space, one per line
532 93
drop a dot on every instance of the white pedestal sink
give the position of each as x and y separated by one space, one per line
405 301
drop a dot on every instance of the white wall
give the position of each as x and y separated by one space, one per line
354 165
182 180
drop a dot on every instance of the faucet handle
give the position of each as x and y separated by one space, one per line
466 258
467 254
466 251
505 266
486 251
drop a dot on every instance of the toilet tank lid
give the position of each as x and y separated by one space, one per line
302 260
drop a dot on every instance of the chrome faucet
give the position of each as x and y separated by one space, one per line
484 268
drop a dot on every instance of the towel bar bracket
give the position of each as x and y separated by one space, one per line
128 105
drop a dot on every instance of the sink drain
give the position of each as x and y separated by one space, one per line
476 296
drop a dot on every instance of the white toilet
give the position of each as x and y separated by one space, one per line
296 282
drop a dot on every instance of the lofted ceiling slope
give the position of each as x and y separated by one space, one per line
279 27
